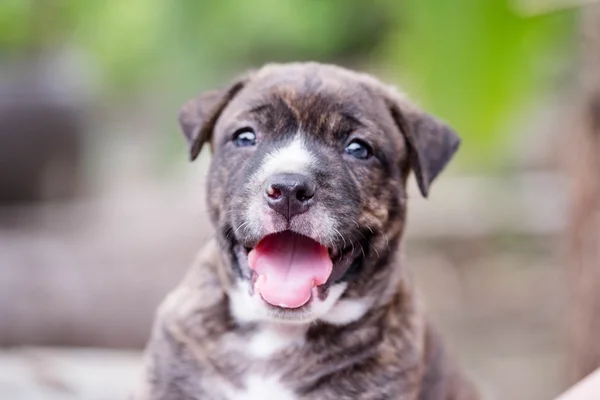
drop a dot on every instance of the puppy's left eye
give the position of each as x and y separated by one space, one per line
244 137
359 149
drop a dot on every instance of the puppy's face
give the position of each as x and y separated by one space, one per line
307 185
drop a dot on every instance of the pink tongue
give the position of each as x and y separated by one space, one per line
288 267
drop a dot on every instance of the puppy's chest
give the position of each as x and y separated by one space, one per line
267 361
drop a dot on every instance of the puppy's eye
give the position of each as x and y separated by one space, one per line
244 137
359 149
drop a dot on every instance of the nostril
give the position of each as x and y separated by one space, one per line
273 193
303 195
289 194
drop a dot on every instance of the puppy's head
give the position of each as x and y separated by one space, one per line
307 186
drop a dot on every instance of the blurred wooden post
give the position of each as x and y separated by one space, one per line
584 255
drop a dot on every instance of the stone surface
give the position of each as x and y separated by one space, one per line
67 374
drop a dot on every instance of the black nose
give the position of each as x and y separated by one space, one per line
290 194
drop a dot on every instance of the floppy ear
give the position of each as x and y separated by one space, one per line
198 116
431 143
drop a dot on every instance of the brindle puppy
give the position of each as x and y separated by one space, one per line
303 294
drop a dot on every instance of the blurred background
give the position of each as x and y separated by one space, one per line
101 214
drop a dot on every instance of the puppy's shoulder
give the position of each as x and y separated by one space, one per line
186 328
196 311
201 288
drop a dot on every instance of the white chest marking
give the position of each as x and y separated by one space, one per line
265 388
274 338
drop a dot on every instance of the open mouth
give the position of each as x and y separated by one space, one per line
289 268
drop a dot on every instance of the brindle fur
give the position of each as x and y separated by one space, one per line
389 353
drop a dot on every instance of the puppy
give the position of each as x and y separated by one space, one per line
303 293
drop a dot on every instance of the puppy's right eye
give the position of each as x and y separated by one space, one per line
244 137
359 149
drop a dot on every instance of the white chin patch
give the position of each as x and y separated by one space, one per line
247 308
347 311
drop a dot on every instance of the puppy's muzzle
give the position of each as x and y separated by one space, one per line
290 194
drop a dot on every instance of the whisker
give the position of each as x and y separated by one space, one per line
243 225
387 240
361 234
342 236
362 250
376 252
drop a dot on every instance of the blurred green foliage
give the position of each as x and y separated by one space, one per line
476 64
